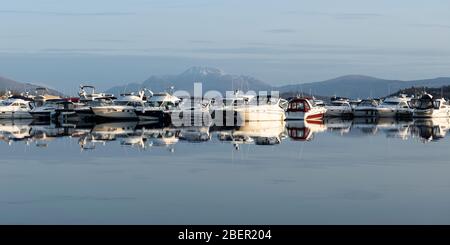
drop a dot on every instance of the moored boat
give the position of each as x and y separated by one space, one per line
395 106
339 108
428 106
15 108
304 109
123 108
366 108
240 108
158 107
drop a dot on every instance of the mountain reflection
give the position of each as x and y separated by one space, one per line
144 136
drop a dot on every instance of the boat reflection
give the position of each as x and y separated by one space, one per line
254 132
143 136
11 131
431 129
304 130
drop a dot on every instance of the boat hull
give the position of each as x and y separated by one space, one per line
317 114
368 112
151 115
41 115
386 112
337 111
238 116
115 113
15 115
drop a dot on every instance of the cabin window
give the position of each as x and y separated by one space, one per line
298 106
301 106
23 106
436 104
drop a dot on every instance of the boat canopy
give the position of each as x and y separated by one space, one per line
300 104
370 103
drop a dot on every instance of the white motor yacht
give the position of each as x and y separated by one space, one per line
15 108
366 108
47 110
42 95
80 108
123 108
429 107
241 108
158 107
339 108
396 106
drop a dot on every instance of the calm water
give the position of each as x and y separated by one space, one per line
340 172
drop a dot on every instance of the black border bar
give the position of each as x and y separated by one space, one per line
171 233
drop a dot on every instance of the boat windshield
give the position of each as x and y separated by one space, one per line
98 102
6 103
339 103
167 104
371 103
154 103
424 104
121 103
390 103
51 103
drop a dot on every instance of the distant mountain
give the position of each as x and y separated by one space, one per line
19 87
211 79
355 86
361 86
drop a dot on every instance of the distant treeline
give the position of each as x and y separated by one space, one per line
416 91
288 95
13 92
437 92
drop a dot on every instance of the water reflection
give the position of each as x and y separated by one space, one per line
143 136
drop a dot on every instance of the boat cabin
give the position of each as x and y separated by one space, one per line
300 105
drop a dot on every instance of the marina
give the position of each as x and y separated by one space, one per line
273 150
166 107
302 154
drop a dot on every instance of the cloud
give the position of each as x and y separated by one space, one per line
201 41
51 13
280 30
338 16
111 40
324 50
355 16
13 36
59 50
432 26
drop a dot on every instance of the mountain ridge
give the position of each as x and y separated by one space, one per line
352 85
19 87
211 79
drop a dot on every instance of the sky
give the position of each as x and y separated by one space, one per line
62 43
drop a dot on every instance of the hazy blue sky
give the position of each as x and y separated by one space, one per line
62 43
